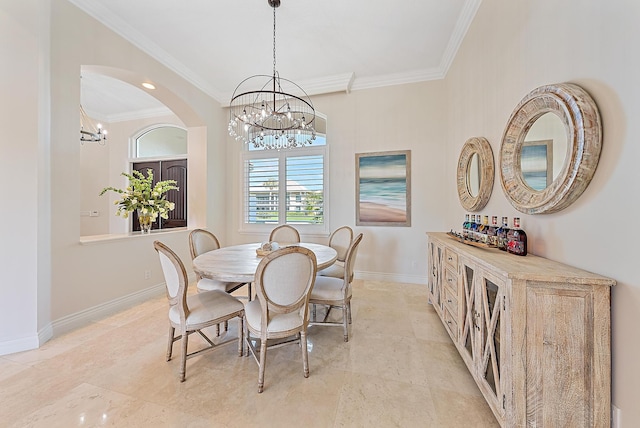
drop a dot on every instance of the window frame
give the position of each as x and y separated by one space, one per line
304 229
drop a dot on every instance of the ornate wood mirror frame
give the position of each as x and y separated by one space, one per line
579 113
475 149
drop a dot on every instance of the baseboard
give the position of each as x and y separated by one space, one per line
391 277
82 318
19 345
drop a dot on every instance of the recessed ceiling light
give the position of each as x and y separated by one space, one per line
148 85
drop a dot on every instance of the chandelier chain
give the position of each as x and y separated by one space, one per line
274 40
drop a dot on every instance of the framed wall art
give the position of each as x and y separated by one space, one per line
383 188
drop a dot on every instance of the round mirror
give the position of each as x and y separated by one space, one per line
544 150
546 171
475 174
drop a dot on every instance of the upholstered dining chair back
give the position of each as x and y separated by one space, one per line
284 234
202 241
175 277
284 280
350 260
340 240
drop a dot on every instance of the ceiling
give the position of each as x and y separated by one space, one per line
324 46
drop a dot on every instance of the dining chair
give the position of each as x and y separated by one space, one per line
200 242
284 234
192 313
335 292
340 240
283 282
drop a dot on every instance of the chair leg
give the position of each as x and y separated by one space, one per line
349 311
240 336
263 360
345 322
172 331
183 362
305 354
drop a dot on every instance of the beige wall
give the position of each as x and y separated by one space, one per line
392 118
84 276
513 47
24 111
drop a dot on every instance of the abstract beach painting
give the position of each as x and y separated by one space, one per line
383 188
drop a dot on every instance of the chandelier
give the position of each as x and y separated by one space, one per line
89 131
270 112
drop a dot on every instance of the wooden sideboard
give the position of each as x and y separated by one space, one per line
535 334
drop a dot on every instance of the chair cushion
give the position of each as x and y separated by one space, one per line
327 288
207 306
208 284
335 271
278 323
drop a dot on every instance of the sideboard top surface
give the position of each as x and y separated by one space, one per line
529 267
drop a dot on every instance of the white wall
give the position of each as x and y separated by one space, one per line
392 118
84 276
513 47
24 111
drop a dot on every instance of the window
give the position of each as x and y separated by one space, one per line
287 186
163 149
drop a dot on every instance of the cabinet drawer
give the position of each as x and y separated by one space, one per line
451 258
451 280
451 301
450 323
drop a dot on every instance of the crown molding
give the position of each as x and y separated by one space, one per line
397 79
462 26
126 31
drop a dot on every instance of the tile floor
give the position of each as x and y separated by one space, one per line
399 369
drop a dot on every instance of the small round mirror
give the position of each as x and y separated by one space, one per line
544 150
475 174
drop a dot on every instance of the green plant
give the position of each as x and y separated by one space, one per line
142 195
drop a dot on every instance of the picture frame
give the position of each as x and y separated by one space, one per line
383 188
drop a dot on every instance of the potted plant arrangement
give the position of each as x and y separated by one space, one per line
142 196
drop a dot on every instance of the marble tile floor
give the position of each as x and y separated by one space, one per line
399 369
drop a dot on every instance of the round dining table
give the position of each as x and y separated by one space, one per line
238 263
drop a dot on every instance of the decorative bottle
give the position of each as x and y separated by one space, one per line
502 234
473 228
517 239
465 226
484 230
492 232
